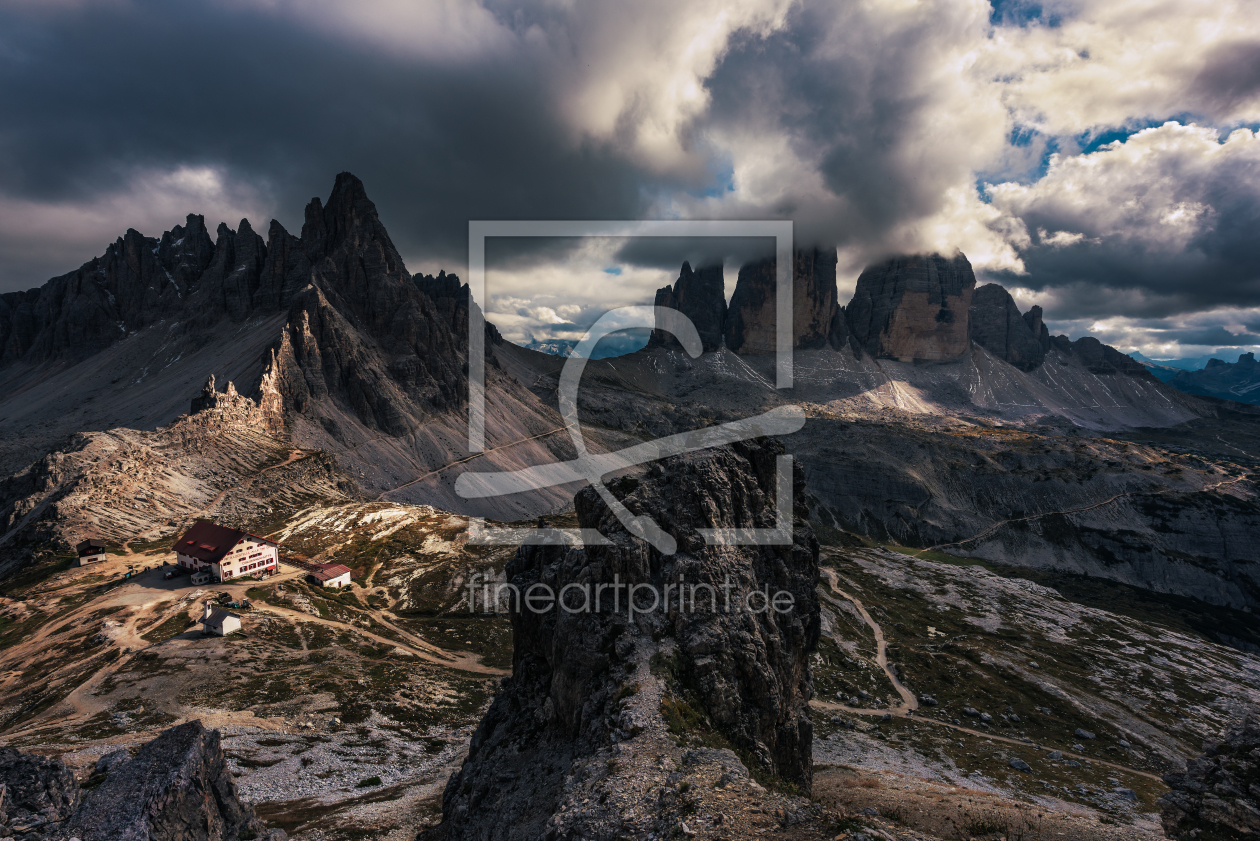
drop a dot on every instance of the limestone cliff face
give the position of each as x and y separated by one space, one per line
701 296
750 323
583 714
998 326
135 283
914 308
1038 327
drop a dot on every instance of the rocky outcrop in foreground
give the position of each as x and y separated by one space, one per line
915 308
266 413
1217 797
617 723
36 793
176 788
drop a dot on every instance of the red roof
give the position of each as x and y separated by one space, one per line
327 572
208 542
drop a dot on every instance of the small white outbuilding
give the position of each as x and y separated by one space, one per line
330 575
219 622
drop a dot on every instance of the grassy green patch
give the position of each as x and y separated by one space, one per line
169 628
13 630
31 576
489 636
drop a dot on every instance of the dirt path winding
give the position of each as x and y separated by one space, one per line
459 660
909 703
827 705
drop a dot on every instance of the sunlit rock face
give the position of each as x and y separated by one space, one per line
914 308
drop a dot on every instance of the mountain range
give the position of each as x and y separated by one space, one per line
1225 380
1021 570
939 414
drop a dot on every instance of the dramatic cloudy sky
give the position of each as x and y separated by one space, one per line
1098 157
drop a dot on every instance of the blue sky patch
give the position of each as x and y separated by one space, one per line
1021 13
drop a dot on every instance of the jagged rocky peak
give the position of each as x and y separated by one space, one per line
751 320
442 286
914 308
1099 358
998 326
600 697
266 411
1033 318
349 220
186 250
185 275
701 296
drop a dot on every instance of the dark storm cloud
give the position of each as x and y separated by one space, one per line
1161 224
1095 280
865 124
90 97
669 253
1230 78
1208 336
863 115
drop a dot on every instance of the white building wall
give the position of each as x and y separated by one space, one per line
342 580
249 556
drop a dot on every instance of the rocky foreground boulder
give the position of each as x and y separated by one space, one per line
619 723
176 788
1217 797
35 792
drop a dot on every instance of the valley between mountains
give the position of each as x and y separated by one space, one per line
1025 571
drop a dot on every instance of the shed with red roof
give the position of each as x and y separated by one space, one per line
330 575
